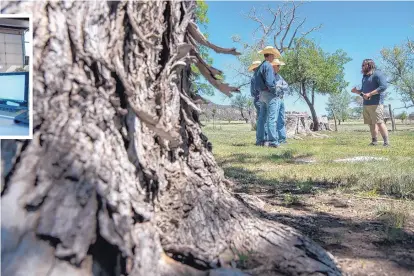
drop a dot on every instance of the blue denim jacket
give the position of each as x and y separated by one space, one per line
253 92
264 78
281 86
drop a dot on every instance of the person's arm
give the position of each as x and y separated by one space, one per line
252 87
382 84
285 87
356 91
269 77
282 85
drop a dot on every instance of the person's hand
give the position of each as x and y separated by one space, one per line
355 90
367 96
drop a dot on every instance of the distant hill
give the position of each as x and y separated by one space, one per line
223 112
227 112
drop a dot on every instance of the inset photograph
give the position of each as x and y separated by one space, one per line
15 77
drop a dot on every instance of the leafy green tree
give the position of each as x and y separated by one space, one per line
241 102
398 63
340 105
199 85
201 13
403 116
311 71
357 106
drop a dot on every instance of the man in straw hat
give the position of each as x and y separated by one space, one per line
253 67
281 88
253 92
264 83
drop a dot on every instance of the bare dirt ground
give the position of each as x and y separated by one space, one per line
348 226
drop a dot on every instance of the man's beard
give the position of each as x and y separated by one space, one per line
366 71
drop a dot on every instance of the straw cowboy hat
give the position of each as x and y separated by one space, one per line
277 62
270 50
254 65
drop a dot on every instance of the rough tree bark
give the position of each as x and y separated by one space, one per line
119 179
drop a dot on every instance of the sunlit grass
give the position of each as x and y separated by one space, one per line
252 166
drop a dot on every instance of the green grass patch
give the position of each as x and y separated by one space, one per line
291 199
262 167
394 219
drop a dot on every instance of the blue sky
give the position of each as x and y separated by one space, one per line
361 29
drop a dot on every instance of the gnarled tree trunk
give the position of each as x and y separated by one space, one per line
311 105
119 179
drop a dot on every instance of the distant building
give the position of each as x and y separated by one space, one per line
12 42
411 117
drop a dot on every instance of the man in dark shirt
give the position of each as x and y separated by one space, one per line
373 88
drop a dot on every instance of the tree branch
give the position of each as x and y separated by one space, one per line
278 33
294 34
210 74
297 98
275 16
311 30
252 16
199 37
244 84
287 28
405 106
242 73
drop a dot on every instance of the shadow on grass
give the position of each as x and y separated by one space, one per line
251 183
288 156
394 185
337 234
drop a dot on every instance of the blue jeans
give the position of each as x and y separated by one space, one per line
257 105
281 127
268 115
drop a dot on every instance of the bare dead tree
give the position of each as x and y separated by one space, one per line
278 26
119 178
283 27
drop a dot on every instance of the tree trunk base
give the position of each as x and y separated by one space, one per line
298 127
119 178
